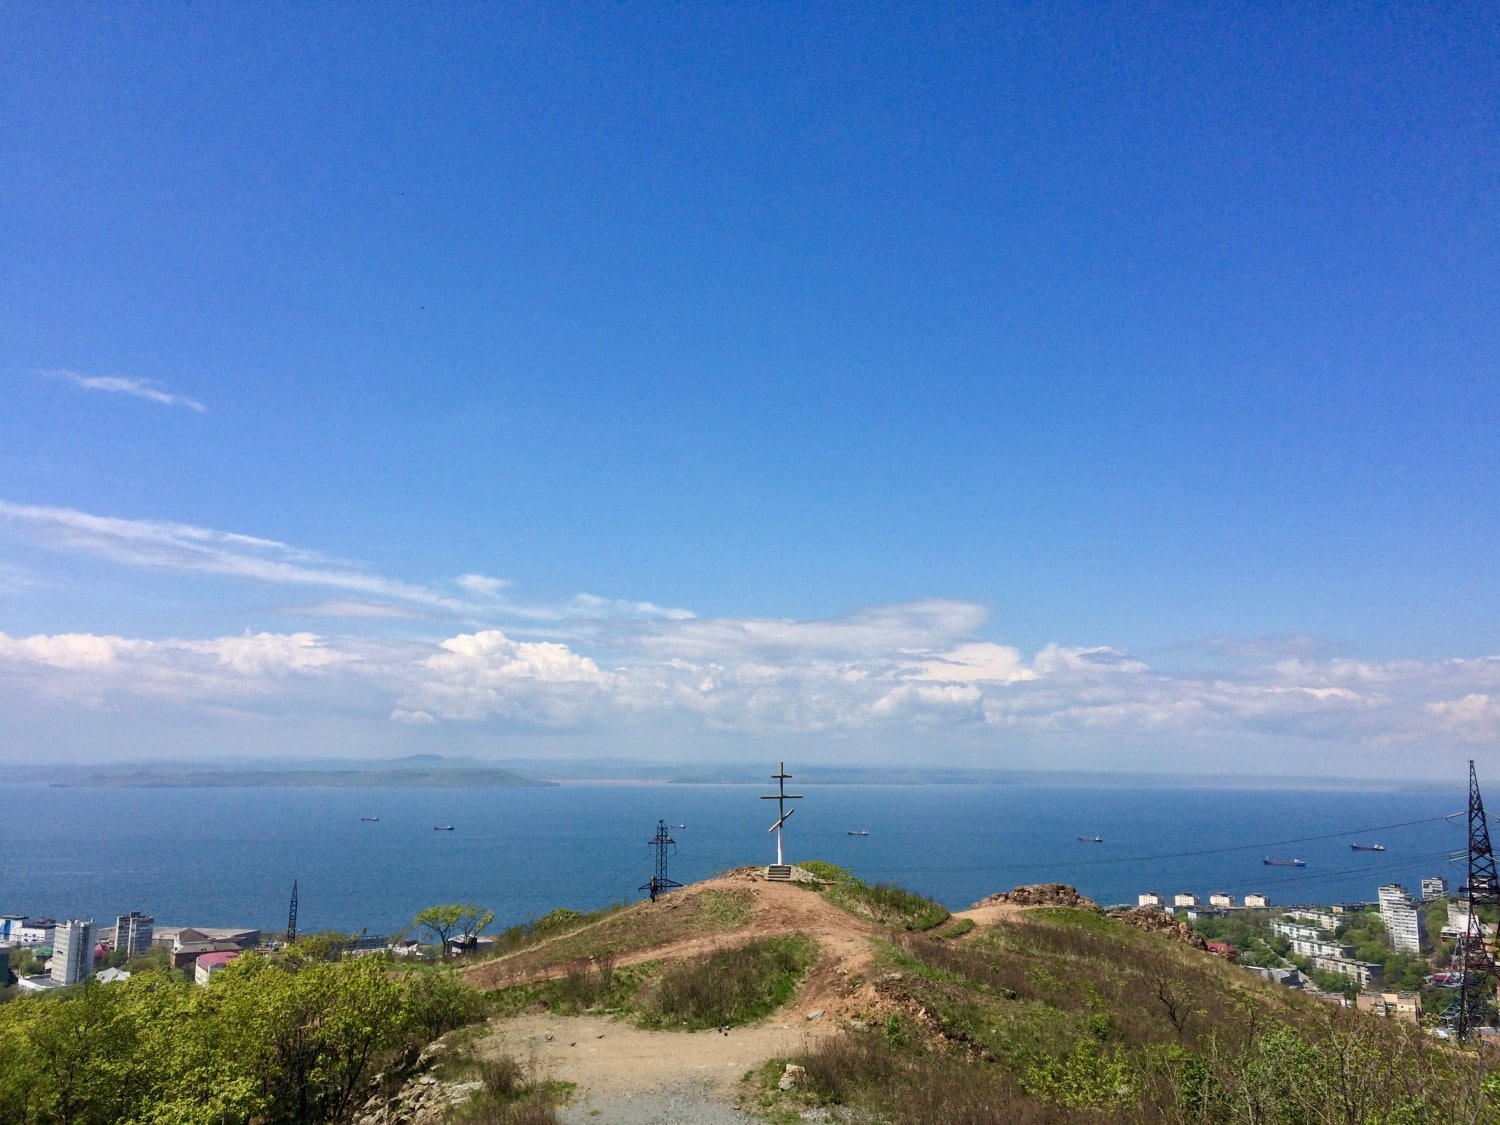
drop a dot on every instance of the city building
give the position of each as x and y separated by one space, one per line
1391 1005
170 937
1304 948
1296 931
1457 925
1290 978
1185 899
210 963
72 952
111 976
1363 973
1221 900
1323 919
1151 898
33 931
189 953
1434 887
1256 902
1405 922
133 933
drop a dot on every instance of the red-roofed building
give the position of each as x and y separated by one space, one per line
210 963
1221 949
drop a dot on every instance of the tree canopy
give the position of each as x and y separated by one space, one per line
267 1041
462 920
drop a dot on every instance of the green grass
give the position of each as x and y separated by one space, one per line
884 903
615 933
957 928
728 987
1071 1016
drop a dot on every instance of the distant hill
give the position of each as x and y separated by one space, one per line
443 778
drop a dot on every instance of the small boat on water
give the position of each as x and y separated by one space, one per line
1091 839
679 826
369 819
1368 847
1285 862
859 831
442 828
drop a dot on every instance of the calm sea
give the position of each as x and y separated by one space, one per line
227 857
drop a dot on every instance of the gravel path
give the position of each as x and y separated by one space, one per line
691 1103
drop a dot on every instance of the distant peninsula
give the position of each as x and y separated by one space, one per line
449 778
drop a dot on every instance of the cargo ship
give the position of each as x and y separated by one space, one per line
1285 862
1368 847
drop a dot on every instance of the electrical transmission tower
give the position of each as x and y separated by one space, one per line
662 842
291 917
1480 972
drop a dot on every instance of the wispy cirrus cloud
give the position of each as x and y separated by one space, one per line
165 545
137 388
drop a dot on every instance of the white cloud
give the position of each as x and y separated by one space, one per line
977 662
480 585
412 718
164 545
353 608
1474 718
136 388
891 630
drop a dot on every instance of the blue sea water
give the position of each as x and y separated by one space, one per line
227 857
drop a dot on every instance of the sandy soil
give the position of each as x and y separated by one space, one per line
605 1058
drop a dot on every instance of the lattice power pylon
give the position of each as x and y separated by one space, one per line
291 917
1480 972
781 797
663 843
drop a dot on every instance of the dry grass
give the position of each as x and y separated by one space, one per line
1068 1016
708 911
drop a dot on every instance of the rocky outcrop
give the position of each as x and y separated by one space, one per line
1160 922
1039 894
422 1099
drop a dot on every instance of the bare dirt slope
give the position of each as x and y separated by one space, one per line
626 1075
776 908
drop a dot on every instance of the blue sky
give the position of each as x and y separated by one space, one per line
1072 386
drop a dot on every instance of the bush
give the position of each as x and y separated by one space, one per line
885 903
731 986
509 1096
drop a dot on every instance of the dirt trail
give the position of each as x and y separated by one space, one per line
616 1067
776 908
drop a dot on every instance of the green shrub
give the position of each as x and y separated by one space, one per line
730 986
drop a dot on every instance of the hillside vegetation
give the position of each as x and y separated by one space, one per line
1042 1014
843 1001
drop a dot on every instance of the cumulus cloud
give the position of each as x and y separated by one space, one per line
1474 718
848 675
487 674
136 388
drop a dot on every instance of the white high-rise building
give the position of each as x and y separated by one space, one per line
72 951
1405 922
1434 886
133 933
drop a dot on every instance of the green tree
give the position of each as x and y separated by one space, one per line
464 921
